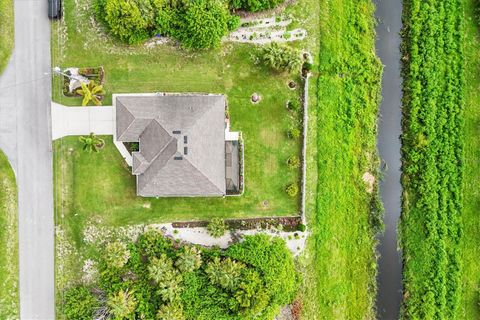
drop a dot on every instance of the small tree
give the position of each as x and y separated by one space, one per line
281 57
91 92
91 143
189 259
217 228
116 255
167 278
122 305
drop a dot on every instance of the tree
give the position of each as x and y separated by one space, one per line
204 24
167 278
127 21
281 57
216 228
116 255
189 259
122 305
91 92
91 142
255 5
224 273
171 311
79 304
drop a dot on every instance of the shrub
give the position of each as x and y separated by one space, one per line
171 311
293 105
292 189
116 255
121 305
79 304
280 57
255 5
127 21
302 227
217 227
293 162
293 133
189 259
224 273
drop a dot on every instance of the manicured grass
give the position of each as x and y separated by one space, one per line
432 158
6 32
341 262
470 247
9 308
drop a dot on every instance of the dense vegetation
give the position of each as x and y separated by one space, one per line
155 278
8 242
6 32
432 157
470 245
345 217
196 24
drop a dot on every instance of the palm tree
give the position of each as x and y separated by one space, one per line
91 92
122 305
167 278
91 142
225 273
189 259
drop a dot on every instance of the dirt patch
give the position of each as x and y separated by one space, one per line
369 180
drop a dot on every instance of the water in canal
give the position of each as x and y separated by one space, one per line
388 14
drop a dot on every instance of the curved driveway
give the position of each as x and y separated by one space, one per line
389 13
25 137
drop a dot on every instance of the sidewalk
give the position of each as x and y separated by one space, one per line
74 121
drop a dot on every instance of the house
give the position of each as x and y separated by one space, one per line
185 146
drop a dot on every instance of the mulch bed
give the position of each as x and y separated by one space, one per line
288 223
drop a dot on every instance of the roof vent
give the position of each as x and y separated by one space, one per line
185 139
177 131
178 158
185 150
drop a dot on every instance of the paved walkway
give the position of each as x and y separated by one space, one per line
25 137
75 121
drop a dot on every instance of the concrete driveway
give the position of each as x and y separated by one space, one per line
25 137
74 121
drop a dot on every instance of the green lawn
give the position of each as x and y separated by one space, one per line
470 247
6 32
9 308
340 263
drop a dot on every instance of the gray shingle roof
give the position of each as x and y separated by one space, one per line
160 123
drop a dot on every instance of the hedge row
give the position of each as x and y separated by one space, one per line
432 157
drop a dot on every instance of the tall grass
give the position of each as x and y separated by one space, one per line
340 281
432 157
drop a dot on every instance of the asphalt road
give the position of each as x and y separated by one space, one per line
389 280
25 137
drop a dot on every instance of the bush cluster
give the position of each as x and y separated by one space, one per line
162 280
432 157
255 5
281 57
196 24
217 227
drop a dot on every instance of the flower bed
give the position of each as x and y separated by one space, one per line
96 74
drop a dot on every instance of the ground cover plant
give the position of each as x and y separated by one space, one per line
6 32
433 159
9 308
155 278
469 307
343 217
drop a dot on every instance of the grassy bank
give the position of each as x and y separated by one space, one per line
432 157
470 247
9 308
6 32
341 262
